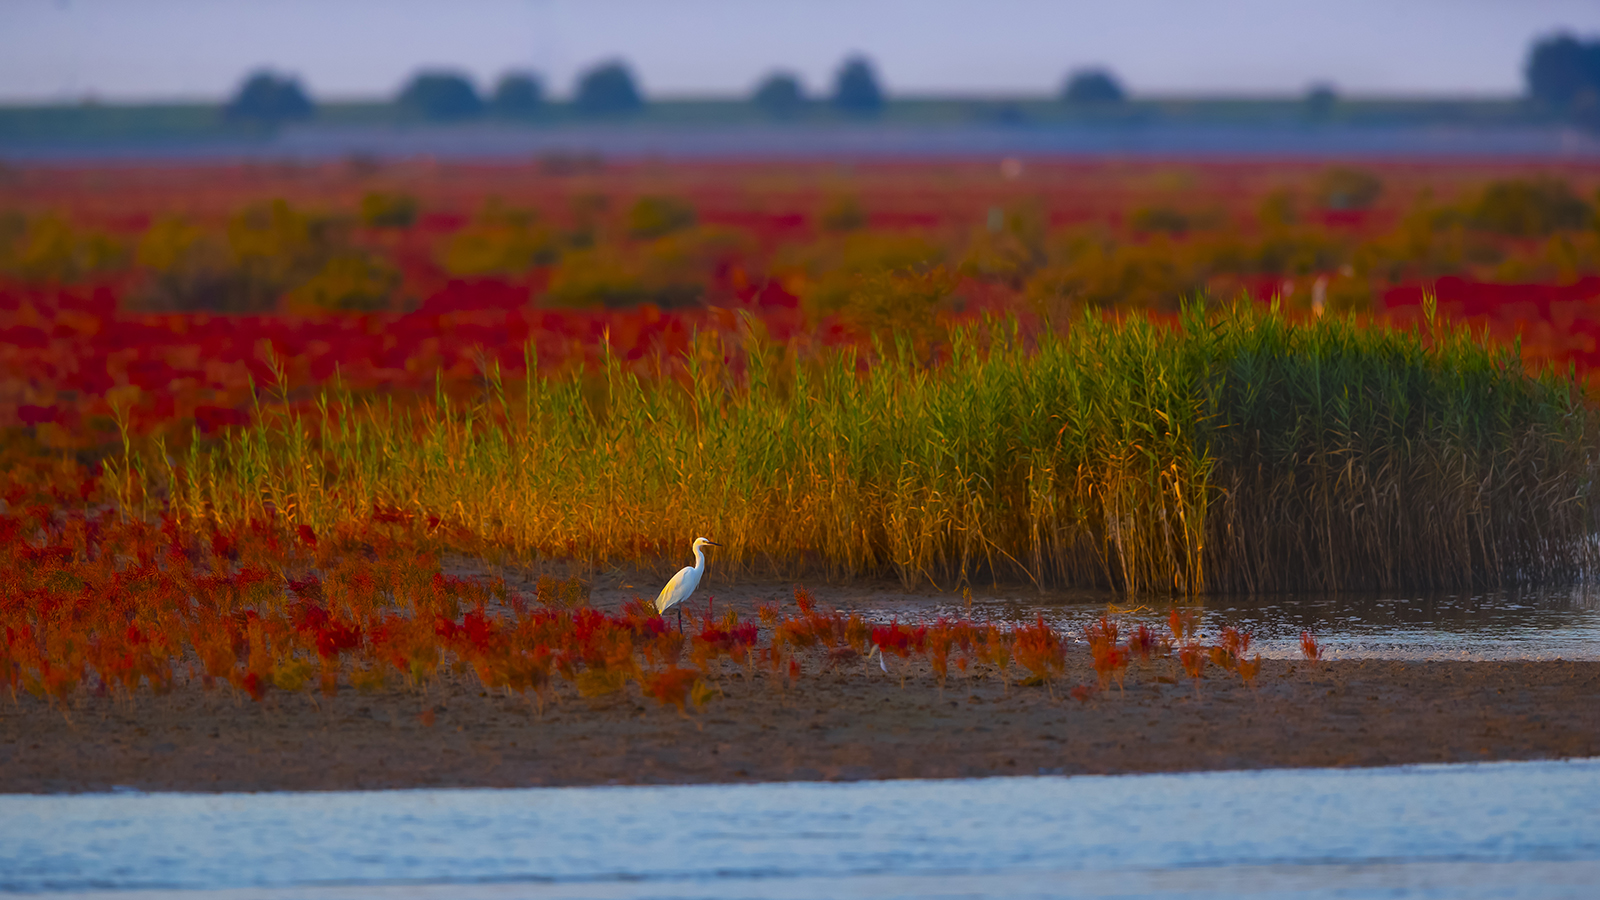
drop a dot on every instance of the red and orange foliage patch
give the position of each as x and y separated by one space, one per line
90 602
1309 648
764 256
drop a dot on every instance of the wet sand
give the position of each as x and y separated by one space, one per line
850 722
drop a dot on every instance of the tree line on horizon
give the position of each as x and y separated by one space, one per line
1562 74
607 89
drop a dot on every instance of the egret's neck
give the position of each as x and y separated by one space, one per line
699 560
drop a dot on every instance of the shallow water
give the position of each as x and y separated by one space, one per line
1497 829
1562 624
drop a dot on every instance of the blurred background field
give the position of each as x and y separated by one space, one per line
327 361
895 356
1155 331
388 271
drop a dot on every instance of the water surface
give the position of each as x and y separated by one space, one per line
1497 829
1502 625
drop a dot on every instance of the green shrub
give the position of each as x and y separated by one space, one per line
1345 188
13 225
897 305
1009 247
879 251
1295 252
501 241
351 282
1160 220
1279 209
49 248
1530 208
653 217
188 270
670 272
1097 273
605 277
266 250
388 209
834 270
842 213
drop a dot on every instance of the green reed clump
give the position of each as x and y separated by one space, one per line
1235 450
1354 457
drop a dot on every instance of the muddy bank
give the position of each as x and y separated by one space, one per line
850 722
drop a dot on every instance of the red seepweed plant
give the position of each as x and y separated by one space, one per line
901 640
1110 658
725 637
671 687
1249 669
942 638
1230 652
1192 656
996 651
1143 644
1236 642
1041 652
1309 648
1184 625
93 604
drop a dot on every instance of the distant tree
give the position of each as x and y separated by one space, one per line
517 94
780 94
1561 69
1161 220
855 88
1093 87
1321 100
442 95
269 98
608 89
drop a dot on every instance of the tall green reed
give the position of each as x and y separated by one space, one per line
1233 450
1351 457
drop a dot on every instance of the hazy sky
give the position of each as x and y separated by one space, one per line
158 49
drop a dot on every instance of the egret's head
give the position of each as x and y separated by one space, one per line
703 542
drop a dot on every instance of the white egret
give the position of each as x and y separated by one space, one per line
684 583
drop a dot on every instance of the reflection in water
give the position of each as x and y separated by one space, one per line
1544 624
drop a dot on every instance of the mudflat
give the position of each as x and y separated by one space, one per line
848 720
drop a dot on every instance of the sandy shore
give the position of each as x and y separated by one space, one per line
850 722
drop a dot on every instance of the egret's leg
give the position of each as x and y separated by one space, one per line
680 618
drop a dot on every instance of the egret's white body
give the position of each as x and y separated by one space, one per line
684 583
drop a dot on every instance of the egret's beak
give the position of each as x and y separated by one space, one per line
713 543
